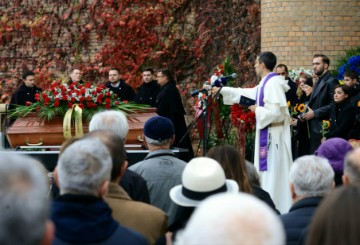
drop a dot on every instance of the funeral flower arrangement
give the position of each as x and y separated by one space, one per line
242 116
295 73
56 101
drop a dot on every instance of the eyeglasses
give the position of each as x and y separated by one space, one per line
160 76
282 73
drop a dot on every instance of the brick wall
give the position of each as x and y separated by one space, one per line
297 29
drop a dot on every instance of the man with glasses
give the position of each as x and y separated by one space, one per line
282 70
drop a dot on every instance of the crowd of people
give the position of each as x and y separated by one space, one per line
287 196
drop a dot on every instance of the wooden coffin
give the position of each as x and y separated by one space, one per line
34 131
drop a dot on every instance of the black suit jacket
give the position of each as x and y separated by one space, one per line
298 219
123 91
291 93
320 101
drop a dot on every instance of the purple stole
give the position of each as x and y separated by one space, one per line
263 150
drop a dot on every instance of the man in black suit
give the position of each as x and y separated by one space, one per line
321 97
25 94
291 96
149 90
119 86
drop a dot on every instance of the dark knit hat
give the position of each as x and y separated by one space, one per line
334 150
309 82
159 128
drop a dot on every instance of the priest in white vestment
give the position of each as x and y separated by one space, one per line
272 114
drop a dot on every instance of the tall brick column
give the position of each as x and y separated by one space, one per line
296 30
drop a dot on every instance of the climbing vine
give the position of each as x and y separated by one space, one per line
52 36
188 37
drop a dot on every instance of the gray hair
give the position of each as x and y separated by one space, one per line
157 142
352 167
84 166
312 176
254 177
110 120
24 202
232 218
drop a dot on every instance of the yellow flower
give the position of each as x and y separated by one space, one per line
295 108
325 124
358 103
342 82
288 104
301 108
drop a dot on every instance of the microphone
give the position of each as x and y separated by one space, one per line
215 81
221 81
197 91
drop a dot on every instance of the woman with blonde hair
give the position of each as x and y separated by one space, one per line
300 91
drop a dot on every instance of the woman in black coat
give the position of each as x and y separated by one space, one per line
169 105
342 113
302 134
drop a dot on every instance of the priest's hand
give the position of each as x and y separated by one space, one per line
214 90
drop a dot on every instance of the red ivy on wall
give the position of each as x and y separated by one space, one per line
52 36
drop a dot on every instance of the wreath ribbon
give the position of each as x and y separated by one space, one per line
78 122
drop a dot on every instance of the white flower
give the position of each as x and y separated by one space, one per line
295 73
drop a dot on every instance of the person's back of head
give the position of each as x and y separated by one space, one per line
24 201
253 175
159 131
115 145
311 176
269 59
352 168
336 220
236 218
84 167
233 164
201 178
334 150
110 120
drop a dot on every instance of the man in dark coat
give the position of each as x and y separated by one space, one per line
75 76
351 79
322 96
311 178
169 105
148 91
26 92
119 87
291 96
80 214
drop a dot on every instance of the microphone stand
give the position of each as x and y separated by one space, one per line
204 117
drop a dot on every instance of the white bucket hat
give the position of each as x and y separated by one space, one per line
202 177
